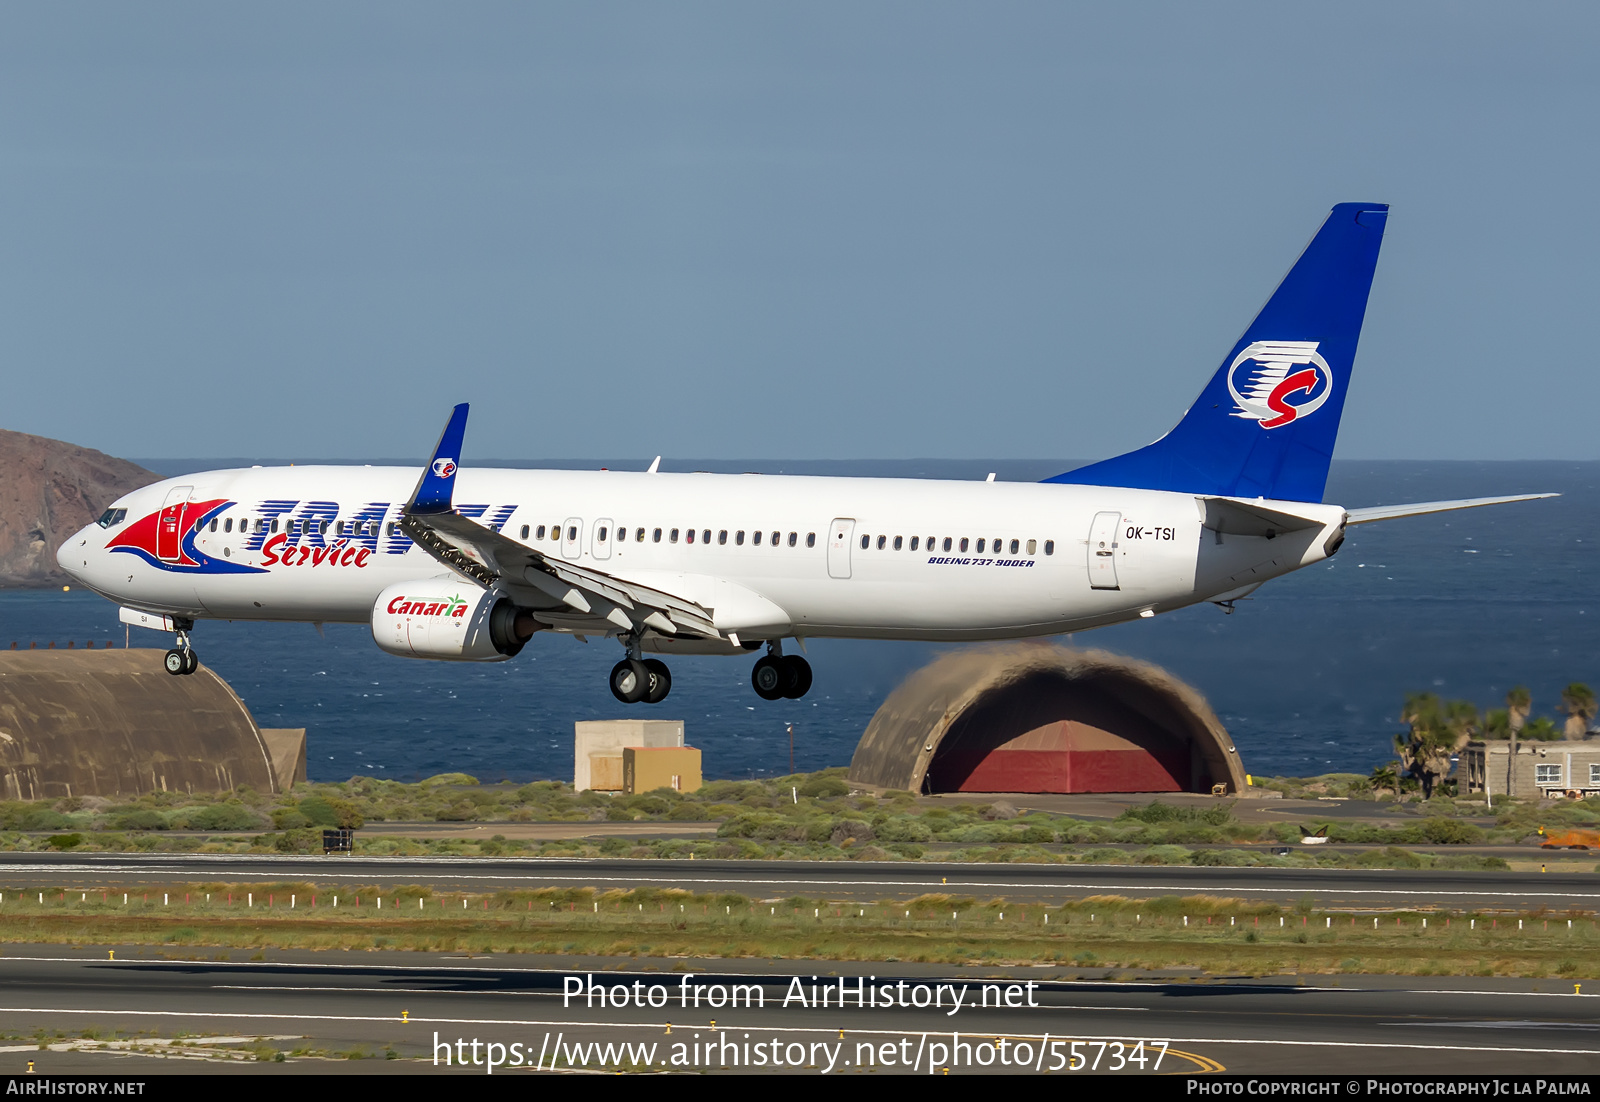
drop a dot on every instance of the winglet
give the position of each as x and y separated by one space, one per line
438 482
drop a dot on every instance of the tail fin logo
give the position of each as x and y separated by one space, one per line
444 468
1277 370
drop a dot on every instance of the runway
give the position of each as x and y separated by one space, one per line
322 1009
1356 888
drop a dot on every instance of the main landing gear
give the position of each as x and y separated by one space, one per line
778 675
637 679
182 659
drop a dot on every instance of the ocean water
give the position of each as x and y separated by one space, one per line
1308 676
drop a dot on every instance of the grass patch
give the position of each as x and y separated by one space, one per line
1210 933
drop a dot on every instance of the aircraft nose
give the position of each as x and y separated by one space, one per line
73 556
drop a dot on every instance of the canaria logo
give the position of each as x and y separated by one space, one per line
1271 379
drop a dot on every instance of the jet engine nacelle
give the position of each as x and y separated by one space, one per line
444 618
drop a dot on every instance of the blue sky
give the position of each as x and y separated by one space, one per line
818 230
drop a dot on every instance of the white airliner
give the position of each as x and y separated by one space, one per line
466 564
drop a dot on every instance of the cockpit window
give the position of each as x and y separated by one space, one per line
112 517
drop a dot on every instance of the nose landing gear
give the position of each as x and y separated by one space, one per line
181 659
777 675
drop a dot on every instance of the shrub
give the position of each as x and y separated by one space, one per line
138 819
287 818
303 840
227 816
43 818
903 828
1158 812
1451 832
64 841
324 812
825 787
448 778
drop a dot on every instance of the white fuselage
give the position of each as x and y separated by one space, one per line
786 556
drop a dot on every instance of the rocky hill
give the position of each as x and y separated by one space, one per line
48 490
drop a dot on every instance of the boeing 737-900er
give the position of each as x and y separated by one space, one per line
466 564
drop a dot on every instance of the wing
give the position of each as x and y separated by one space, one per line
562 594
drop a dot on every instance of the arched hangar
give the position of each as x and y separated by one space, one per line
1032 718
115 723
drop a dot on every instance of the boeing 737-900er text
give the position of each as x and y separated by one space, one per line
466 564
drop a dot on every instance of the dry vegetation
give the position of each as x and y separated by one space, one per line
808 816
1198 932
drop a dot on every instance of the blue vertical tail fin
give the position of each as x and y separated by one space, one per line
1266 423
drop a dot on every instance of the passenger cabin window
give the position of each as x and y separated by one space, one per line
1033 546
1014 546
913 543
775 539
539 532
738 538
811 539
275 524
524 531
705 537
656 536
756 539
213 524
601 535
963 544
793 537
572 533
227 525
947 543
980 546
866 541
689 535
1049 547
722 537
898 543
639 536
673 537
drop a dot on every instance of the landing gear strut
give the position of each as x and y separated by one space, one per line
778 675
637 679
182 659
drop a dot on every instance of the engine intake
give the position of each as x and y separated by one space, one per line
432 618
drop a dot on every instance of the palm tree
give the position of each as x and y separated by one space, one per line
1519 703
1437 731
1579 705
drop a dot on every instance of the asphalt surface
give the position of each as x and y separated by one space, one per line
1360 888
322 1009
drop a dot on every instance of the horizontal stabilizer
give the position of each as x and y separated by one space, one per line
1422 508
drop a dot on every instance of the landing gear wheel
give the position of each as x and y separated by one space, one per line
629 681
660 681
191 661
769 678
176 662
797 676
